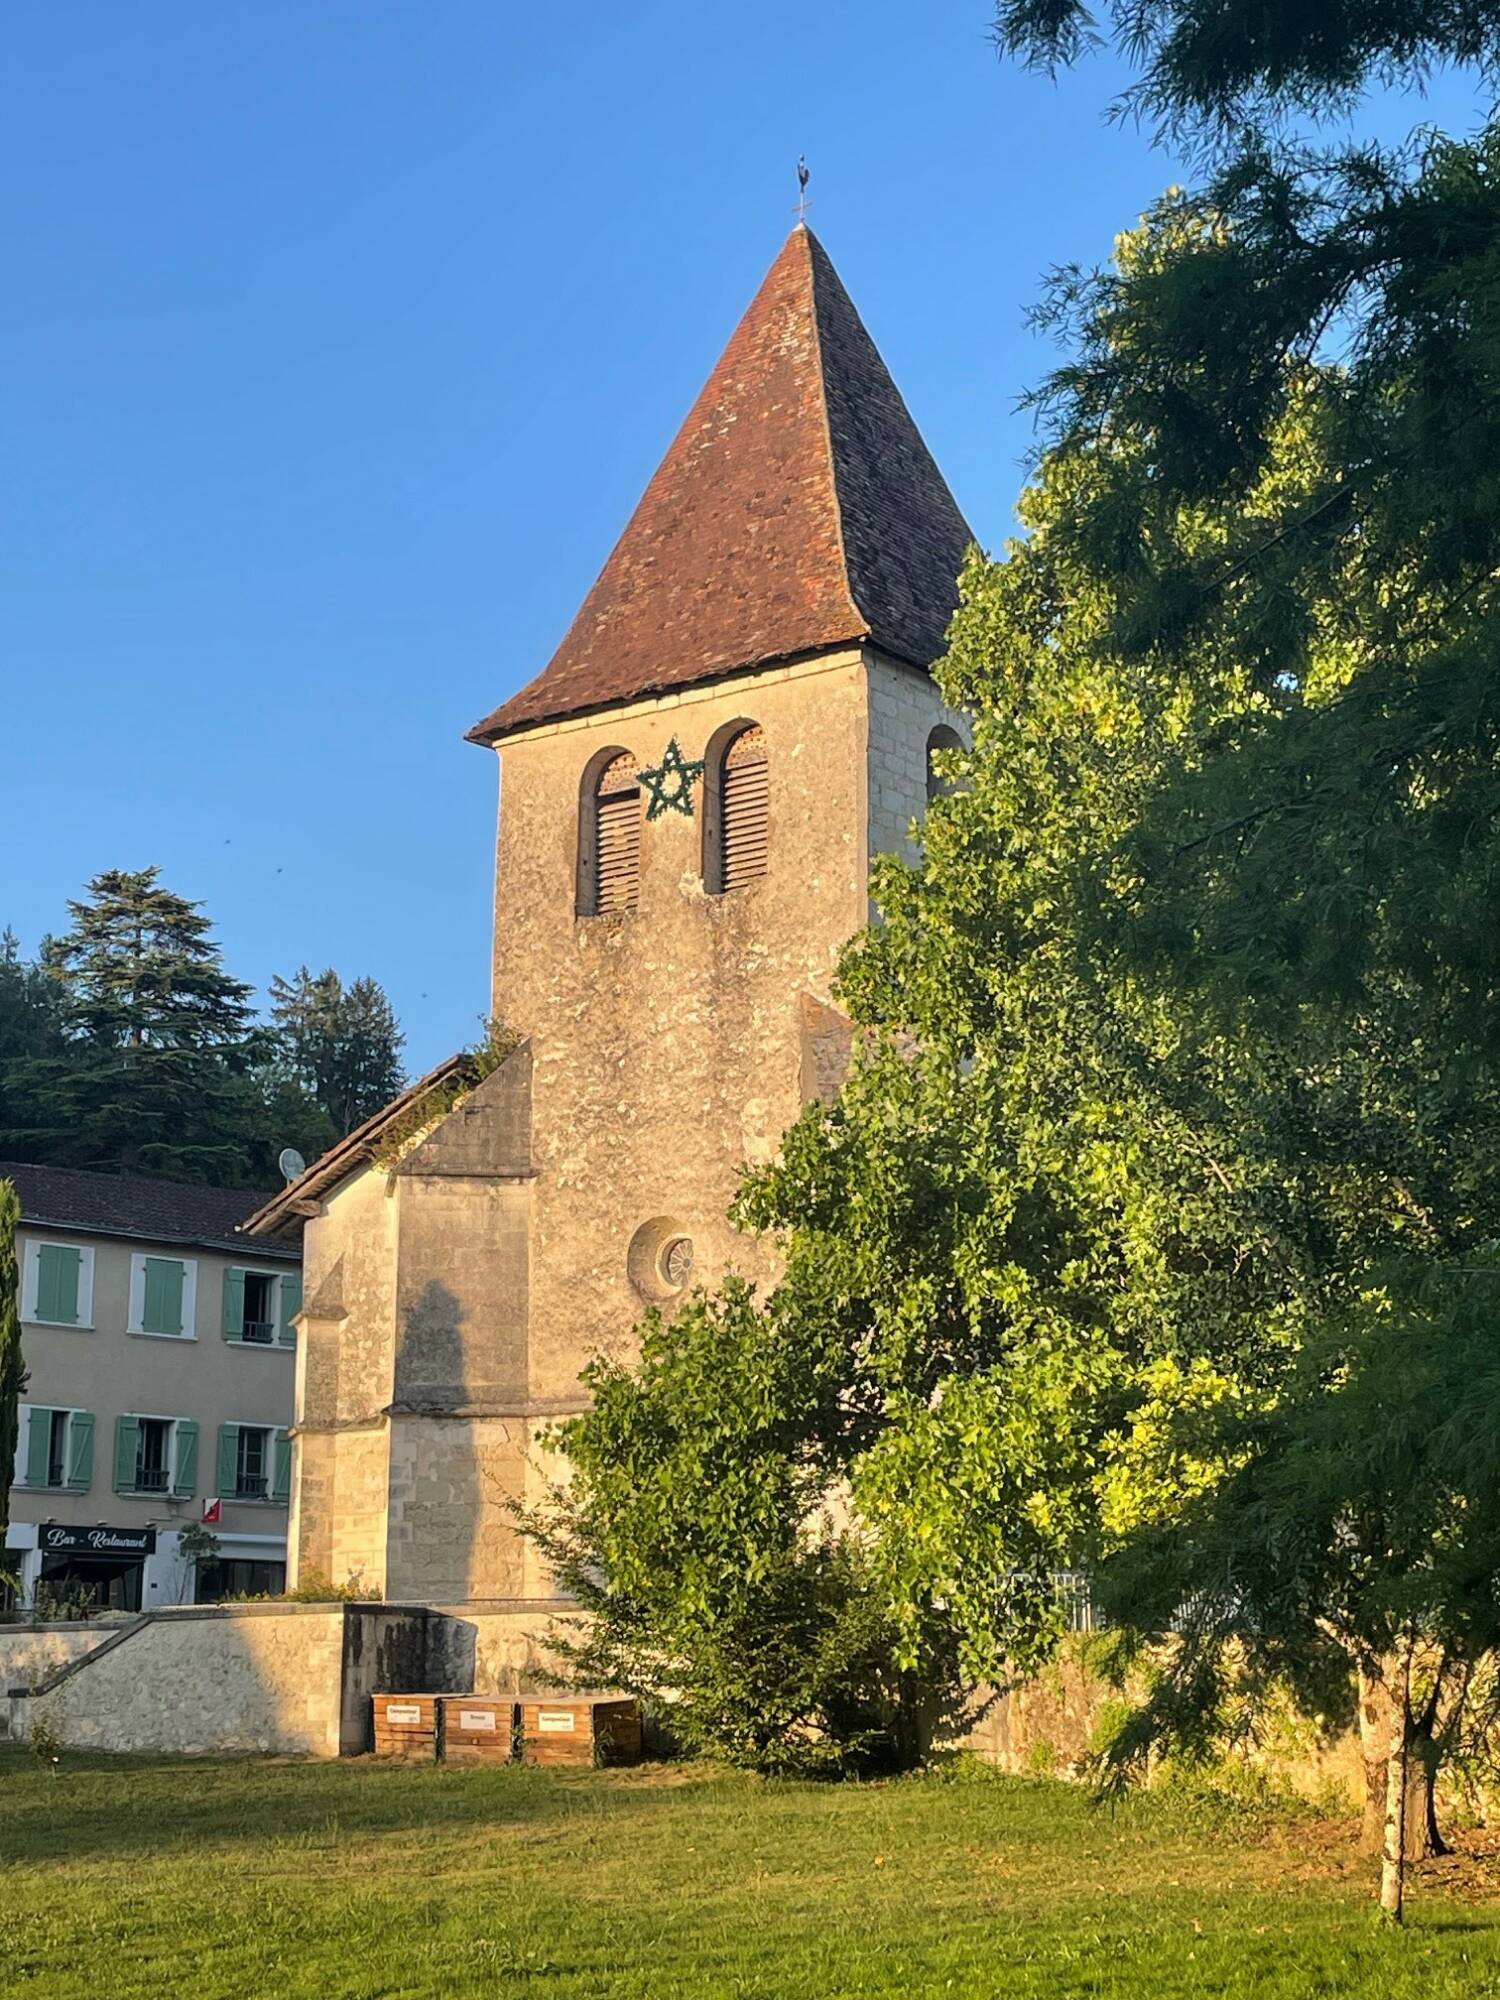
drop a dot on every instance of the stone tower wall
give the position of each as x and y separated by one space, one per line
453 1300
905 708
669 1042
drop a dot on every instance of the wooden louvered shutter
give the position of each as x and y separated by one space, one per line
744 806
618 833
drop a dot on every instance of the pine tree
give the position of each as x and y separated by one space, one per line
341 1043
31 1027
156 1072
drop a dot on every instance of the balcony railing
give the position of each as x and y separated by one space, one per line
261 1330
151 1479
250 1486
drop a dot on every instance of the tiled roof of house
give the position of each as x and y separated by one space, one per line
133 1205
797 510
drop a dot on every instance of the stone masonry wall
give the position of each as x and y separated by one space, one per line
204 1683
453 1303
667 1042
905 708
287 1679
29 1653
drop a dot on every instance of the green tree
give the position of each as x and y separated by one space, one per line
30 1004
341 1043
156 1071
1215 66
1317 881
701 1532
31 1027
12 1372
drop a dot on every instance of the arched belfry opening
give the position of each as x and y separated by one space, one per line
737 807
944 737
609 835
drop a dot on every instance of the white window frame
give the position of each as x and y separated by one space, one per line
31 1273
242 1424
137 1311
23 1432
156 1417
262 1346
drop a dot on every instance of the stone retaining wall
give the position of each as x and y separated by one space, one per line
33 1653
504 1641
290 1679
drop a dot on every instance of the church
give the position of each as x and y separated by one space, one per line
691 790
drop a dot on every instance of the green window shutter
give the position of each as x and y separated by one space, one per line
162 1307
57 1283
127 1441
229 1445
281 1477
38 1444
185 1471
290 1290
80 1452
234 1304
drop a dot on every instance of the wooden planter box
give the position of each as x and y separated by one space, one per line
406 1725
581 1729
476 1729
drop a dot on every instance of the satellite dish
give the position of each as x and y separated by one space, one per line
291 1163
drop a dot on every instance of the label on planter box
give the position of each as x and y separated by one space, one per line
476 1718
403 1711
555 1721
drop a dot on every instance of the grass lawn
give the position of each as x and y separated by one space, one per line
241 1881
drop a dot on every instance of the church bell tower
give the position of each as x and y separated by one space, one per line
691 790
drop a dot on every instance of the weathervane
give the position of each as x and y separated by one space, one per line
802 179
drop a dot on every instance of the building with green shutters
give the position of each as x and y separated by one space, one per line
161 1351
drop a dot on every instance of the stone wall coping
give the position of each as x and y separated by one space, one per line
188 1613
117 1637
276 1608
508 1607
31 1627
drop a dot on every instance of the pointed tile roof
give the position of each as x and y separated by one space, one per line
797 510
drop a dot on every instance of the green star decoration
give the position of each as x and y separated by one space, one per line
671 782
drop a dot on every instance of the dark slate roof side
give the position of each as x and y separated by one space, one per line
797 510
904 538
135 1206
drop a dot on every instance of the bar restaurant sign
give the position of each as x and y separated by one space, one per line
57 1541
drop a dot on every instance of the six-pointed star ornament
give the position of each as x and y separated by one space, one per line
671 782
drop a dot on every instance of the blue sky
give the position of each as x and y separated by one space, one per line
339 341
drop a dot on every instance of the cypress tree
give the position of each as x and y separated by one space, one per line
12 1374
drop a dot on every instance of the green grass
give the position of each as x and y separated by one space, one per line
234 1881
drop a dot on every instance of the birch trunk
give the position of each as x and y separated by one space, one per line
1378 1703
1398 1790
1393 1849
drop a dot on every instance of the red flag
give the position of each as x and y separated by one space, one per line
211 1513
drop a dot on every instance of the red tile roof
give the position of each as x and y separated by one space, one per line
288 1208
797 510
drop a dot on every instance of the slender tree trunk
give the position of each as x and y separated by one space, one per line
1399 1773
1379 1707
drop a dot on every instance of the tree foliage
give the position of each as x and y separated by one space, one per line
126 1045
1226 63
701 1532
159 1041
341 1043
